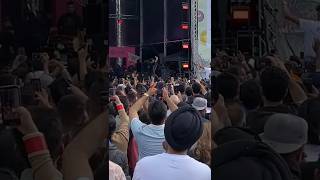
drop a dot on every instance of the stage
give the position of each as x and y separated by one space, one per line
183 31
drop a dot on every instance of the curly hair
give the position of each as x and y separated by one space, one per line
203 147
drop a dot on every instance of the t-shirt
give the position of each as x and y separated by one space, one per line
115 172
45 79
171 167
149 138
311 32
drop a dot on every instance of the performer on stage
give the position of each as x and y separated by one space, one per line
155 65
311 30
118 69
152 65
205 72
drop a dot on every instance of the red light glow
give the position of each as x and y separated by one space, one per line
185 26
185 6
120 21
185 45
185 66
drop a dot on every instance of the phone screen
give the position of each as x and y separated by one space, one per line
170 89
10 98
160 86
112 92
36 85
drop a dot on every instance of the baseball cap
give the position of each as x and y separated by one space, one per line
285 133
199 103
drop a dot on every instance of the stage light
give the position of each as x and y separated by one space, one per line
241 13
185 65
184 26
185 6
185 45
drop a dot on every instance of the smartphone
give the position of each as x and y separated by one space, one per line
112 92
10 98
170 89
160 86
36 85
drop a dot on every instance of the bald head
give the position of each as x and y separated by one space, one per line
175 99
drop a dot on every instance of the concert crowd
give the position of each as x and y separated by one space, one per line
65 115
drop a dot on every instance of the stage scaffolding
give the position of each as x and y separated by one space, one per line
119 16
254 35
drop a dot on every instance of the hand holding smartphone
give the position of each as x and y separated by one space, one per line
160 87
10 99
112 92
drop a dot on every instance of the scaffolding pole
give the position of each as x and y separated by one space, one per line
119 26
165 38
141 35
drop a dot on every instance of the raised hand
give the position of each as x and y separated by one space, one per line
116 99
222 114
83 53
57 67
27 125
43 98
165 94
152 90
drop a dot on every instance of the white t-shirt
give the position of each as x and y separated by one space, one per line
115 172
45 79
171 167
311 32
